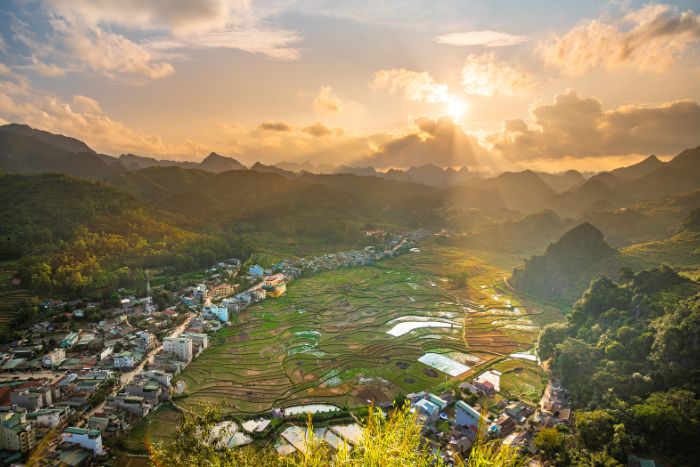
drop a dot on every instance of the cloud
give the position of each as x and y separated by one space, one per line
179 16
86 104
435 141
134 37
319 130
108 53
484 38
649 39
274 126
416 86
45 69
82 119
482 75
574 126
327 100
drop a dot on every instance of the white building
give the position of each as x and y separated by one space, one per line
147 339
105 353
53 358
200 341
86 439
49 417
123 360
180 347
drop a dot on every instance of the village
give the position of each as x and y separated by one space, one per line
88 375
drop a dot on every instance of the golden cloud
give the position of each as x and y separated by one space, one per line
574 126
416 86
658 36
482 75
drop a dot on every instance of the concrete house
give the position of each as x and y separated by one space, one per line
466 415
16 434
90 440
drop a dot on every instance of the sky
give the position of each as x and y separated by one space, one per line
491 85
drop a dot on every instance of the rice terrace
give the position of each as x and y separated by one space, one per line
365 334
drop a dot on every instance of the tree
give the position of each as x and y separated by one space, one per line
595 428
552 444
550 336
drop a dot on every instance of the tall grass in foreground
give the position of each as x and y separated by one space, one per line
393 441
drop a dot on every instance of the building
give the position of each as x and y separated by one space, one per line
179 347
105 353
466 415
489 382
275 286
518 411
200 341
69 340
256 270
427 411
161 377
16 434
54 358
221 291
258 294
149 390
123 360
221 312
49 417
440 402
90 440
200 293
132 404
32 398
147 339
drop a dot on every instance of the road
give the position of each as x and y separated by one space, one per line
126 378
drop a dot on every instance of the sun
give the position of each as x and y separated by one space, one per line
455 107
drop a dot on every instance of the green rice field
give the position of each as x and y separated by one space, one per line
326 340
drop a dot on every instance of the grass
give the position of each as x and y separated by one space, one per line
521 380
10 296
158 426
326 341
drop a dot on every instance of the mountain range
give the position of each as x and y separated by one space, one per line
605 197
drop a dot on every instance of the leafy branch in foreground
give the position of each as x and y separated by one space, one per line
393 441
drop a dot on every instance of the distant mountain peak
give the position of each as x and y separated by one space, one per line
584 239
217 163
66 143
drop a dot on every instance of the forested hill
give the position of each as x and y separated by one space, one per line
71 235
568 265
629 357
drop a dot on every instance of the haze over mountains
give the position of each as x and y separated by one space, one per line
27 150
515 212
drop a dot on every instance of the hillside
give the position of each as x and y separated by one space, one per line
318 208
22 153
567 266
638 170
75 236
682 249
60 141
217 163
628 357
530 233
563 181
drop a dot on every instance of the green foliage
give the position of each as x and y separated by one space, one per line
630 351
393 441
552 444
567 266
74 237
